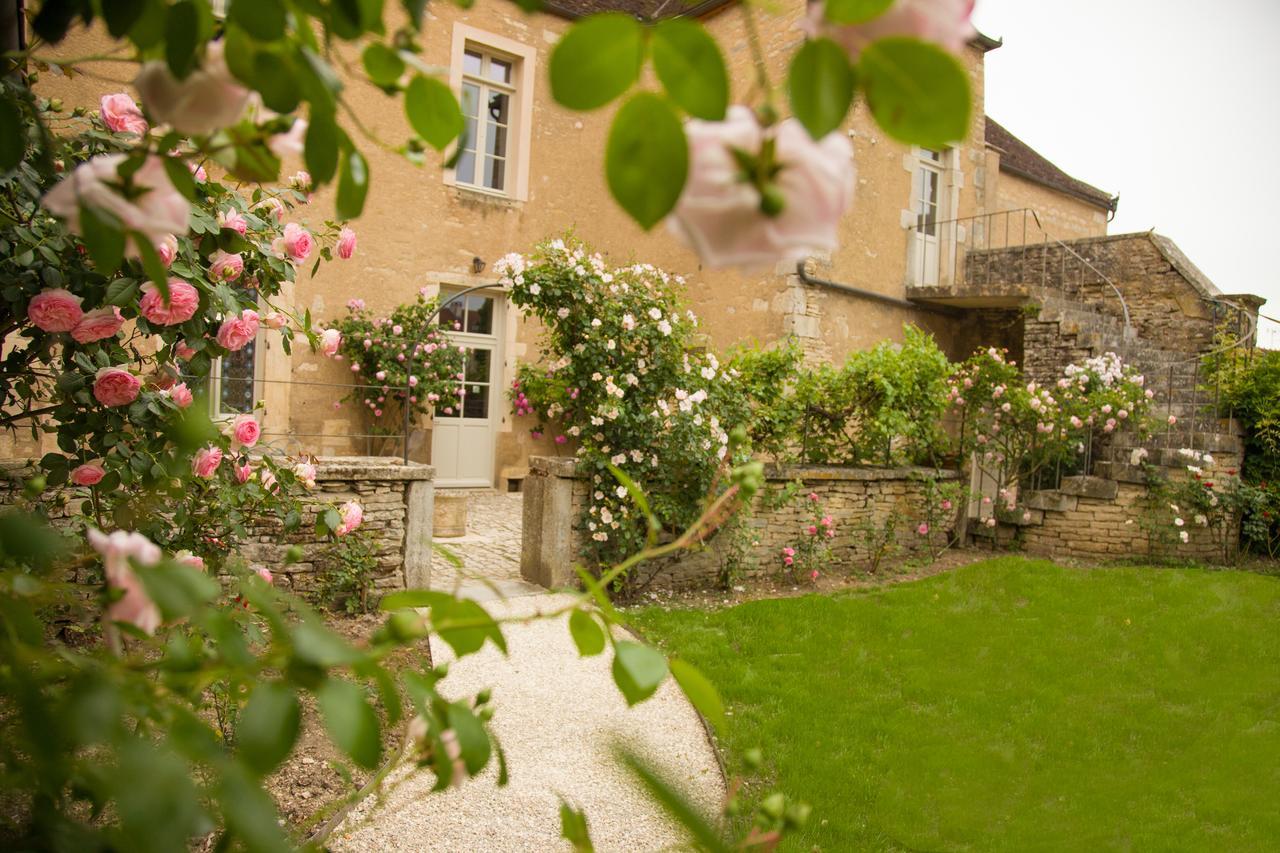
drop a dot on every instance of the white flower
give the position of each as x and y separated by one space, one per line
595 322
628 322
664 327
621 491
535 289
619 459
1183 536
562 313
655 314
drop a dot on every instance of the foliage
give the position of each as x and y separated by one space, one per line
403 356
347 569
944 502
765 380
938 690
1211 505
810 554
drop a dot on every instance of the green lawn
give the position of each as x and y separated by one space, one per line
1010 705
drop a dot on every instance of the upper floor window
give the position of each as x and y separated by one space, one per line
493 77
928 189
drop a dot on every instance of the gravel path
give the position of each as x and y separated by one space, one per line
556 715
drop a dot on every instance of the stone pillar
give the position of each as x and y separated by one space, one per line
549 547
419 517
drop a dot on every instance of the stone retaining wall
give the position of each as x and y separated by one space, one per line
857 499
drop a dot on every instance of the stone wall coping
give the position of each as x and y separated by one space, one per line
371 468
566 466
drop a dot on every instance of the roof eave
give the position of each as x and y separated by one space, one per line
1102 200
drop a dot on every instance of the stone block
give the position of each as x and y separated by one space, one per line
1049 500
1089 487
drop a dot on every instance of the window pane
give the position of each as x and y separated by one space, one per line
237 381
495 171
471 62
470 99
499 105
928 185
478 365
930 154
465 171
476 403
480 315
495 140
500 70
453 313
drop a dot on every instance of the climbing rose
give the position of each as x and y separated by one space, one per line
88 474
238 330
245 430
98 324
206 461
233 220
184 299
121 115
181 395
157 209
346 243
273 206
275 320
265 574
296 243
115 386
719 214
300 180
243 473
56 310
352 514
224 266
291 142
306 472
330 340
208 99
188 559
135 607
923 529
167 249
943 22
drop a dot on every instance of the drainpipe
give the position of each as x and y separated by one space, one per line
872 295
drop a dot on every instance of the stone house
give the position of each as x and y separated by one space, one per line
947 240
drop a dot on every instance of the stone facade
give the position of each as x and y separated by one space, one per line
857 499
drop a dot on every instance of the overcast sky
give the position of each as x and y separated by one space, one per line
1169 103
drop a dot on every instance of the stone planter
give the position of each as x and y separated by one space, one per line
450 514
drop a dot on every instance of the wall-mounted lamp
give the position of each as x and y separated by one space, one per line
477 266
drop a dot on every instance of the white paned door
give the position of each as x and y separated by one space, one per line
465 425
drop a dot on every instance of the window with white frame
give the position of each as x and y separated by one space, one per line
929 191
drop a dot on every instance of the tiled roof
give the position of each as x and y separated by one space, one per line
1019 158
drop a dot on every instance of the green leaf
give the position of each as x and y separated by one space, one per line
917 91
151 263
13 135
412 598
249 812
353 185
54 18
465 625
573 828
274 79
121 15
820 86
268 726
181 30
700 691
597 60
586 632
383 65
315 644
473 740
646 158
180 176
350 720
262 19
637 670
150 781
855 11
691 68
321 153
103 239
177 589
433 111
676 803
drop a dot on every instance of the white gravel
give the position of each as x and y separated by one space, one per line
556 716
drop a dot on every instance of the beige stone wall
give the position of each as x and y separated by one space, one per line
1060 215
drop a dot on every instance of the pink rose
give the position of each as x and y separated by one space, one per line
306 472
346 243
232 220
330 340
244 473
265 574
300 180
181 395
182 351
206 461
121 115
291 142
944 22
269 481
88 474
134 607
245 430
186 558
237 331
98 324
56 310
352 514
296 244
167 249
923 529
157 209
115 386
207 100
184 299
225 267
275 320
273 206
720 216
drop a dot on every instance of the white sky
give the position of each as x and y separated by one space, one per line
1169 103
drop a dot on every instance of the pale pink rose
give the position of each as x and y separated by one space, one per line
115 386
273 207
157 209
720 216
346 243
269 482
167 249
330 340
265 574
121 115
56 310
181 395
943 22
135 607
291 142
208 99
184 299
198 172
300 180
186 558
206 461
245 430
306 472
923 529
182 351
225 267
244 473
237 331
296 243
352 514
88 474
233 220
275 320
98 324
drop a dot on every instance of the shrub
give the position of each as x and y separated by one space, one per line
347 570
